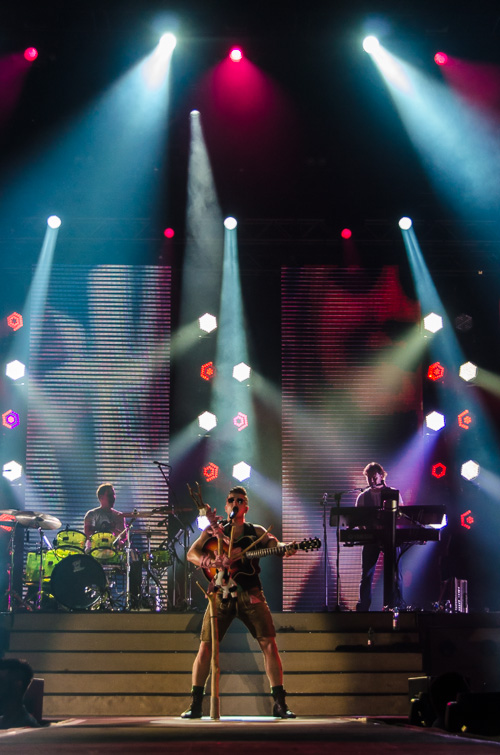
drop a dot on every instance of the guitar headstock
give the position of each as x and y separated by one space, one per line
313 544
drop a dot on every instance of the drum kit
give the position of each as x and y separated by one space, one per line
102 572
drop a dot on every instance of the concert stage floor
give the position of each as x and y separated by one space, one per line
245 735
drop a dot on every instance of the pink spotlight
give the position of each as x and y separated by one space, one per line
31 54
441 58
169 233
346 233
236 55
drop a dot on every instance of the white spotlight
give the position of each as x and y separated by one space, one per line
468 371
230 224
433 322
15 370
435 421
12 471
207 322
194 113
207 421
167 42
242 471
241 371
470 470
370 45
405 224
54 221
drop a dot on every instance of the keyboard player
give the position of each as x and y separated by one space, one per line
372 497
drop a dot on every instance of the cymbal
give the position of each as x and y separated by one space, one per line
35 520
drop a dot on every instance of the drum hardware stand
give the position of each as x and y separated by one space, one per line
43 539
11 593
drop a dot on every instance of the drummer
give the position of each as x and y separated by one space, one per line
104 518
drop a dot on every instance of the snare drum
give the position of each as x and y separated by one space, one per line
102 549
68 542
158 559
50 559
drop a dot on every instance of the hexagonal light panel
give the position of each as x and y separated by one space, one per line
10 419
468 371
207 322
241 371
470 470
433 322
207 421
12 471
242 471
15 370
435 421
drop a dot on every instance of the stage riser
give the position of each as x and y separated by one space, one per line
140 664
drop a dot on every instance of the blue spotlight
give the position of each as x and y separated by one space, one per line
54 221
405 224
371 45
230 223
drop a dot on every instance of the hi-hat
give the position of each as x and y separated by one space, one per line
35 520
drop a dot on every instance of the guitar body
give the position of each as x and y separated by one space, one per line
243 566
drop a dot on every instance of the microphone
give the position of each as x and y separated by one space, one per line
325 498
233 512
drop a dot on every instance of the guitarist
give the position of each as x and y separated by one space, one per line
247 603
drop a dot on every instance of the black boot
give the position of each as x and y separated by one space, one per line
195 709
280 708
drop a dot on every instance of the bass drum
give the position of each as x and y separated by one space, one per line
78 582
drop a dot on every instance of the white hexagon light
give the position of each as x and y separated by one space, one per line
241 371
15 370
12 471
242 471
207 421
435 421
470 470
433 322
207 322
468 371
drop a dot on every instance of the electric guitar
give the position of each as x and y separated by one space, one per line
242 563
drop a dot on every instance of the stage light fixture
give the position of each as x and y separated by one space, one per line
346 233
211 472
167 42
435 371
7 521
230 223
195 113
405 223
242 471
371 44
241 372
169 233
10 419
466 519
207 421
15 370
470 470
15 321
240 421
207 322
438 470
433 322
207 371
468 371
12 471
30 54
435 421
236 55
464 419
441 58
54 222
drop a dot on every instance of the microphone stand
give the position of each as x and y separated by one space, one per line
325 552
337 497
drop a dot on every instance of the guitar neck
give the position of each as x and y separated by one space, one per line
265 552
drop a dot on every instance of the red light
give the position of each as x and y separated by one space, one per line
435 371
464 419
211 472
31 54
15 321
6 518
441 58
236 55
438 470
346 233
467 520
169 233
207 371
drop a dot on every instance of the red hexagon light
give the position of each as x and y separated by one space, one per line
438 470
211 472
435 371
15 321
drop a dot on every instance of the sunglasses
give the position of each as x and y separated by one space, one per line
238 500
